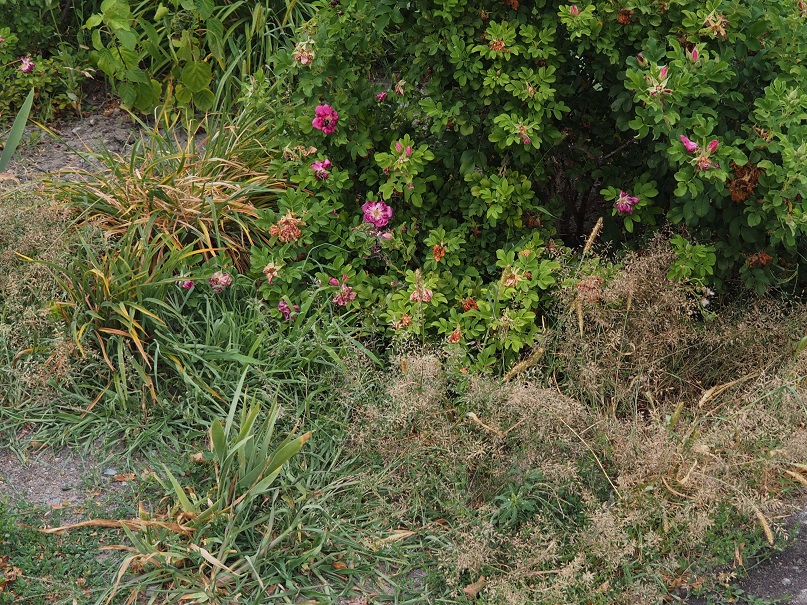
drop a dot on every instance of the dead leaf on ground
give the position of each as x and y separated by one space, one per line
472 590
124 477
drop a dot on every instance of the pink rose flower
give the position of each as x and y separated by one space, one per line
381 96
285 310
376 213
345 294
326 119
220 281
321 169
624 203
187 284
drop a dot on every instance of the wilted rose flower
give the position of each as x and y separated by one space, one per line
187 284
271 271
26 65
220 281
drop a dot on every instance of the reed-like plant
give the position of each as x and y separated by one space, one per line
207 547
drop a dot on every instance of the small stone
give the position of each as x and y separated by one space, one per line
786 581
110 472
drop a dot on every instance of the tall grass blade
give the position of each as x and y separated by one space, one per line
16 132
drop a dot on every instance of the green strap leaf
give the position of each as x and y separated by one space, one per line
16 132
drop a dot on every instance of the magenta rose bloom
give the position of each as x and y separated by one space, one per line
625 203
376 213
690 146
321 169
326 119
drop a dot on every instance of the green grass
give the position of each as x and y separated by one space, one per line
51 568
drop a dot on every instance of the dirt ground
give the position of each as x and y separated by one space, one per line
67 147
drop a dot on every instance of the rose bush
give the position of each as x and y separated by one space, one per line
463 141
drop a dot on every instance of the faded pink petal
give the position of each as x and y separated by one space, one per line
26 65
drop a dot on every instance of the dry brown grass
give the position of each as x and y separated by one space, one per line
651 427
35 228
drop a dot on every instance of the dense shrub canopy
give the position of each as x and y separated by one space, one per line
484 130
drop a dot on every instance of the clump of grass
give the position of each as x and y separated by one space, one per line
202 185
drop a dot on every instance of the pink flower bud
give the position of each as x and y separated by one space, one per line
385 235
408 150
663 73
333 281
693 55
381 96
690 146
574 10
712 146
398 146
641 60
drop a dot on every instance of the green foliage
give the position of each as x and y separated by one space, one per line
179 52
694 262
38 30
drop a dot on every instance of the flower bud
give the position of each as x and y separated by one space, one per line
663 73
574 10
712 146
693 55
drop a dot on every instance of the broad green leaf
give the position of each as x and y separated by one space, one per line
196 76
